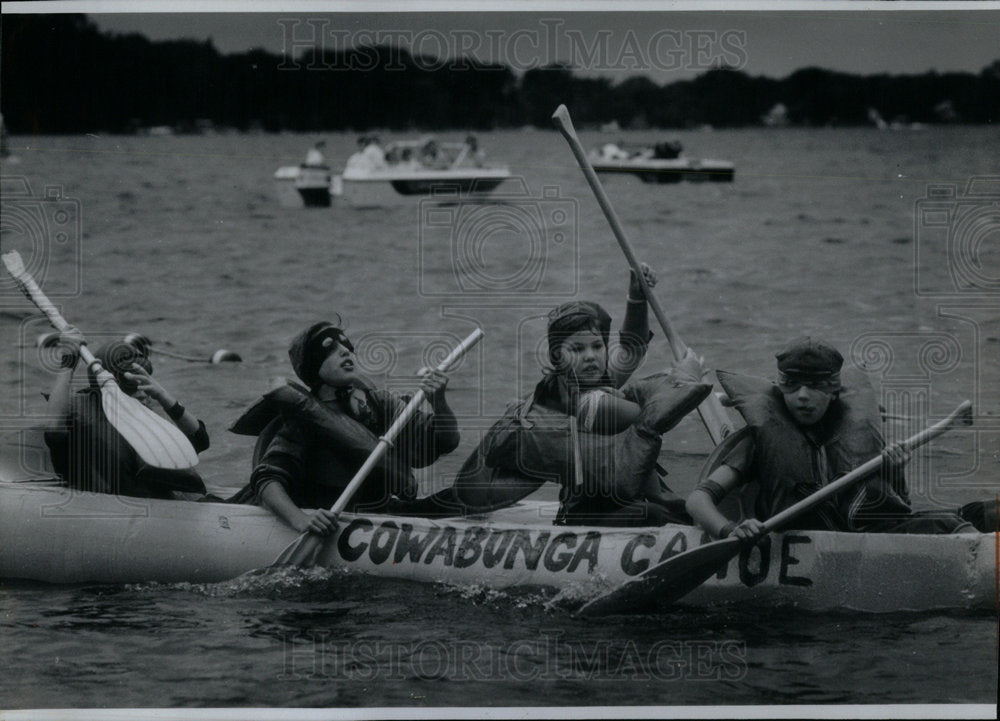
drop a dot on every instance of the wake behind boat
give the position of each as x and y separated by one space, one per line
56 535
660 163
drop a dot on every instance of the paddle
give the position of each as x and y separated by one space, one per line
158 442
712 414
674 578
303 550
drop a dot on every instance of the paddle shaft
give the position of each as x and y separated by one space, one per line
712 414
915 441
158 442
677 576
397 426
35 294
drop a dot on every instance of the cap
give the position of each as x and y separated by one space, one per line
117 358
809 361
312 346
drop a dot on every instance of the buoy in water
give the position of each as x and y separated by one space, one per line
145 345
225 356
220 356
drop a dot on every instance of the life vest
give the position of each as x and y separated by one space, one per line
532 444
92 456
785 459
292 403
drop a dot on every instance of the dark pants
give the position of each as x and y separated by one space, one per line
984 515
924 522
978 516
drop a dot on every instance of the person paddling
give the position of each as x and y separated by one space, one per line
314 439
816 423
584 429
87 451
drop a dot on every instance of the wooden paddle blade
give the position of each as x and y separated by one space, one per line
665 582
156 440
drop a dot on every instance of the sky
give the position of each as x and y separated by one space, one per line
664 46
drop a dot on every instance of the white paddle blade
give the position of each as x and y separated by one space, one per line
158 442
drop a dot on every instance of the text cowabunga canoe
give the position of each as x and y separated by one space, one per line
51 534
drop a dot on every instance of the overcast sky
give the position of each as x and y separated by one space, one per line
665 46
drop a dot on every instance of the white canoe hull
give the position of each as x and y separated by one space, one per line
53 535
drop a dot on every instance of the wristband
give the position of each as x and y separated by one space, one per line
630 299
176 411
727 529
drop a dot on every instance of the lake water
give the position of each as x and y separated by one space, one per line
183 239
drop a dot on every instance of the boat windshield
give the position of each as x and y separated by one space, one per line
429 152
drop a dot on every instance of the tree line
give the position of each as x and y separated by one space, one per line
61 74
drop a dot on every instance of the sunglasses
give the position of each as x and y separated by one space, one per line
335 335
789 383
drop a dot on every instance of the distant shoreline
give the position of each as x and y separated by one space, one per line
61 75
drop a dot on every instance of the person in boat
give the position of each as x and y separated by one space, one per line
473 155
667 150
430 155
612 151
585 429
369 156
86 450
315 158
372 150
313 439
817 423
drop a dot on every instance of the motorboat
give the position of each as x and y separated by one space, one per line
660 163
422 167
377 176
